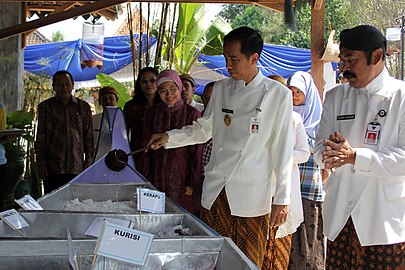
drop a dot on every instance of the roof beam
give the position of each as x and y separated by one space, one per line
57 17
64 7
93 6
277 5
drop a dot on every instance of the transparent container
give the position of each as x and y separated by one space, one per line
91 54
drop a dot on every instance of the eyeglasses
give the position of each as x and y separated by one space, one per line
164 91
145 81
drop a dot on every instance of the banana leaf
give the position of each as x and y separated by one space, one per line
20 119
122 91
194 32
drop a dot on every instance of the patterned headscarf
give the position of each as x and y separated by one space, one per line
311 109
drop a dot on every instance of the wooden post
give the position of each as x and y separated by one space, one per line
317 43
11 59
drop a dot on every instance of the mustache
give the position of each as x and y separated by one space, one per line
348 75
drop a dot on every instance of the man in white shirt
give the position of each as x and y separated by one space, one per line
188 92
246 190
361 139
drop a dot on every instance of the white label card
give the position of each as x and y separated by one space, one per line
150 200
123 244
97 225
28 203
14 219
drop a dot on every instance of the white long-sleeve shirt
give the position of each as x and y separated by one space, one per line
254 168
301 154
372 191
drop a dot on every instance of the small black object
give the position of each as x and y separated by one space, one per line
116 160
382 113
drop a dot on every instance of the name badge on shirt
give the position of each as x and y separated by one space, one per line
228 111
345 117
372 133
254 125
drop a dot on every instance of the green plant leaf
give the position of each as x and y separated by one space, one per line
13 151
214 35
122 91
194 32
29 138
20 119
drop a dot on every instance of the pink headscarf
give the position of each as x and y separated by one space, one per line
169 75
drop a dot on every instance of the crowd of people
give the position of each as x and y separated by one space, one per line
295 182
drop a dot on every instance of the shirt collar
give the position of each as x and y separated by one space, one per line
376 86
73 99
257 80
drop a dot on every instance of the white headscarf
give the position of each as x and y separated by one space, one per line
311 109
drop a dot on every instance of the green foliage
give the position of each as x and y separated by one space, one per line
231 11
301 38
20 153
271 23
123 95
253 17
58 36
379 13
37 88
300 4
21 120
14 151
215 34
196 34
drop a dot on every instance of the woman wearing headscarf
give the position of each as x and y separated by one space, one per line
308 246
173 171
279 243
145 96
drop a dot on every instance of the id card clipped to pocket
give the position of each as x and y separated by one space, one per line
372 133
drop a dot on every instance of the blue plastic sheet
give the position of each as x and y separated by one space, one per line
46 59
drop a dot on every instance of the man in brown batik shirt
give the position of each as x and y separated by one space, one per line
64 146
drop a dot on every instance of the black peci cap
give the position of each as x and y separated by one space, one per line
363 38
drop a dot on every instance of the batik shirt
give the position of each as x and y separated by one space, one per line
64 136
171 170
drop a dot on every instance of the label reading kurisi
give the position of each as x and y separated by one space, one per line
123 244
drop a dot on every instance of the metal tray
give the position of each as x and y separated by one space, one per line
183 253
56 200
49 225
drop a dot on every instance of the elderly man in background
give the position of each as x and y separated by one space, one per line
64 146
107 96
361 139
188 92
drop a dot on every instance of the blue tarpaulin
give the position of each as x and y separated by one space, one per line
275 59
46 59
